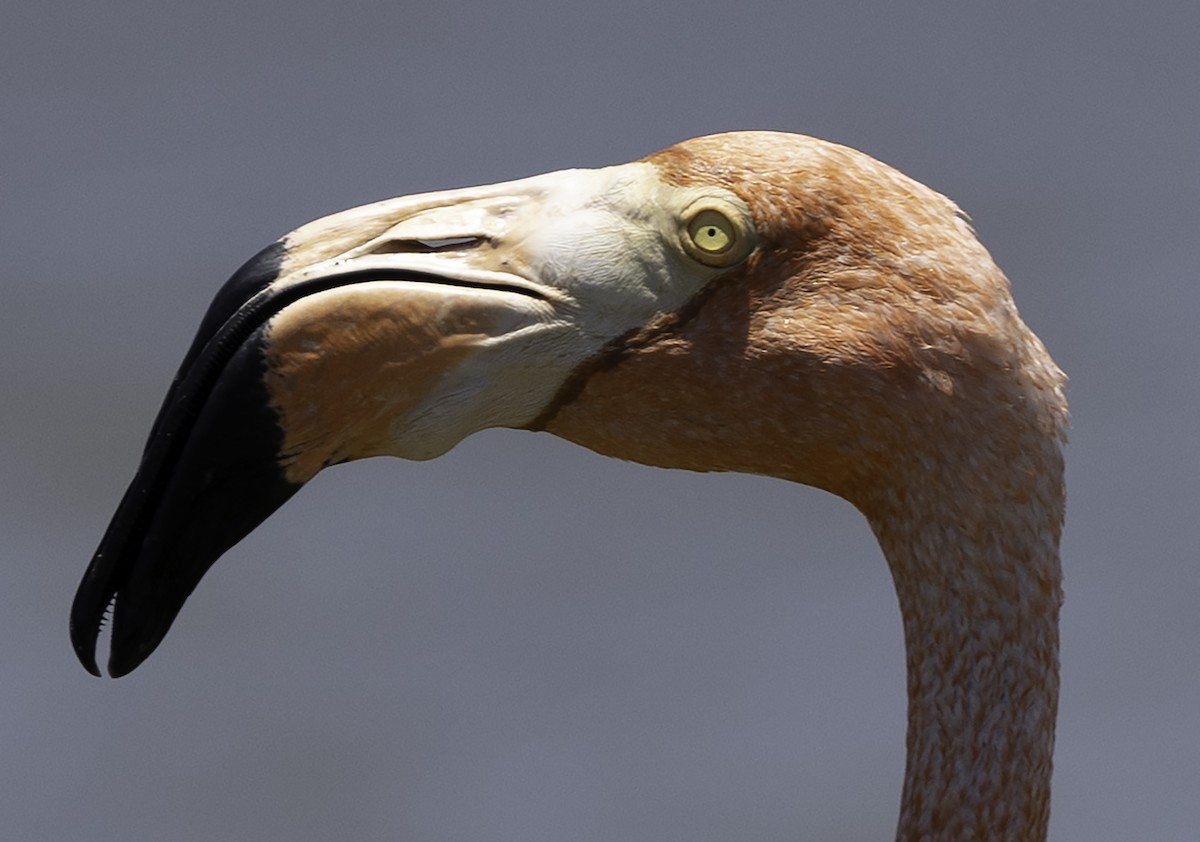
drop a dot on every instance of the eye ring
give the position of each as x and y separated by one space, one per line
714 235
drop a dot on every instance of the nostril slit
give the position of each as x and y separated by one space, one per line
449 243
424 245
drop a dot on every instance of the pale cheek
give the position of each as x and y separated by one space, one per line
620 274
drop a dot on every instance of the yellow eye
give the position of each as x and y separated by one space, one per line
712 232
716 233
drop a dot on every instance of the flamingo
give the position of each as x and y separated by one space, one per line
759 302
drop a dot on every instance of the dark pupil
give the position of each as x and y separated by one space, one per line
712 232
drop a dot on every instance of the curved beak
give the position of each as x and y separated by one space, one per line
396 328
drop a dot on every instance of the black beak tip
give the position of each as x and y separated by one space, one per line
209 475
123 660
85 649
87 615
182 511
126 654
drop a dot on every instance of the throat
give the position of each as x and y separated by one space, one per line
979 586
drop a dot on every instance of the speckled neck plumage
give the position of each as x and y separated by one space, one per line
977 575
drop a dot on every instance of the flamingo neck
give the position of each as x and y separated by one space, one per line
979 584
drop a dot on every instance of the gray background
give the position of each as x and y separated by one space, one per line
522 640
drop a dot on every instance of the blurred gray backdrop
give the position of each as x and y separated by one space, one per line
523 640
